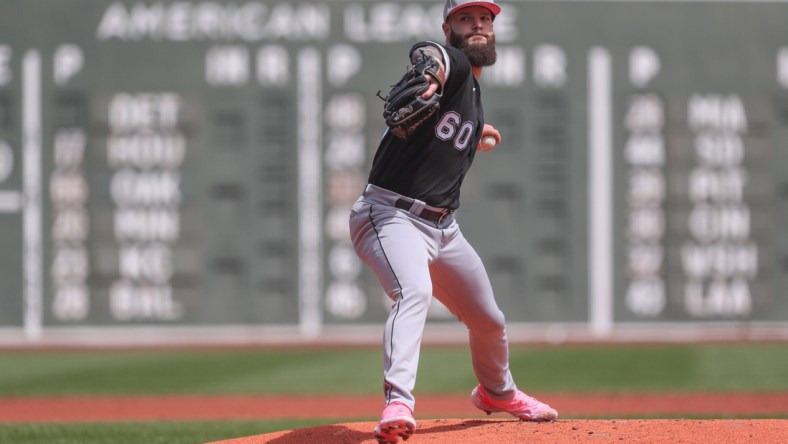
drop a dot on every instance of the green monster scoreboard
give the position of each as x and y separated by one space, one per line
192 164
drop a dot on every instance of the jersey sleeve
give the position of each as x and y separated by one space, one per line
445 58
456 65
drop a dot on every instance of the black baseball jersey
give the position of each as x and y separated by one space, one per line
431 163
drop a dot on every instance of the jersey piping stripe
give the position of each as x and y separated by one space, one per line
396 312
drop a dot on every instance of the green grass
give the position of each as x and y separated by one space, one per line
665 368
176 432
186 372
541 369
737 367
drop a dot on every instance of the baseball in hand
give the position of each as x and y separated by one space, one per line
488 143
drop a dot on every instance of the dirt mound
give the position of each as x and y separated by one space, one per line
474 428
144 408
504 431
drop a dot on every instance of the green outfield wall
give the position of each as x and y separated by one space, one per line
192 163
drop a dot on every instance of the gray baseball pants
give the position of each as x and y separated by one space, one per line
415 259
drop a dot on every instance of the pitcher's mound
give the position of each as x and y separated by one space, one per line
504 431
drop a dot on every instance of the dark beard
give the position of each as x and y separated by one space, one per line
478 55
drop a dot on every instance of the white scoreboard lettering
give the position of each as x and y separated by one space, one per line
194 162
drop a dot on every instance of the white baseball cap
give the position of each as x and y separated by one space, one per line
453 6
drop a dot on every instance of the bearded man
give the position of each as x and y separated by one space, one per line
403 228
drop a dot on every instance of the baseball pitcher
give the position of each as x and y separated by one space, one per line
403 225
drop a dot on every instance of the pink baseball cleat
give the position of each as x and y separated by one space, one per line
396 422
521 406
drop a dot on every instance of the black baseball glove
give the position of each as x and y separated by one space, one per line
404 108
